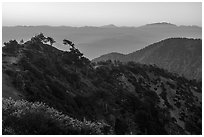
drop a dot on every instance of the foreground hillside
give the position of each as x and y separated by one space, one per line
178 55
103 98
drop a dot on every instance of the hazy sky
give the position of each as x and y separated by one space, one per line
98 14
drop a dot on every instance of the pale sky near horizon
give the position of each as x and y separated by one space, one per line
99 14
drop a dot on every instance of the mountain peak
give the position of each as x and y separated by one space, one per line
109 26
161 24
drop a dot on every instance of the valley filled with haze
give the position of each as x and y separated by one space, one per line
96 41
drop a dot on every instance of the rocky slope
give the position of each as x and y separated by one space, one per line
178 55
129 98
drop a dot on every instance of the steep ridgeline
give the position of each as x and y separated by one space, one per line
126 98
178 55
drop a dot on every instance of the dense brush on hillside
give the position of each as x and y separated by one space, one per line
23 117
126 98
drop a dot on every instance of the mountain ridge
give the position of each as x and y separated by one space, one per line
189 49
107 25
96 41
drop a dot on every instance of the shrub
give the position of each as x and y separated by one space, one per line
23 117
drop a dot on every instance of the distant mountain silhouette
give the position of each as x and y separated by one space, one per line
110 56
161 24
96 41
179 55
109 26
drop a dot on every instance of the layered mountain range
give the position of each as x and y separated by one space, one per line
97 41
